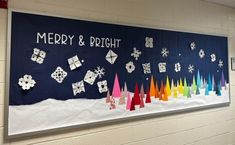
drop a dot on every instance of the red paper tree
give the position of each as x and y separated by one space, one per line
132 104
136 95
148 99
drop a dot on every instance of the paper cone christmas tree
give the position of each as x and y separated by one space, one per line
152 87
148 99
116 88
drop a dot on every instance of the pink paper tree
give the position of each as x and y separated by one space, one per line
128 104
116 88
108 100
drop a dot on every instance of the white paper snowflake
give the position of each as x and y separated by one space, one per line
162 67
148 42
26 82
59 74
165 52
136 53
74 62
213 57
38 55
90 77
191 68
99 71
78 87
177 67
102 86
146 68
111 57
201 53
130 67
193 45
221 63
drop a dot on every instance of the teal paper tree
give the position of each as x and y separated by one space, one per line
207 90
209 83
218 90
198 79
197 91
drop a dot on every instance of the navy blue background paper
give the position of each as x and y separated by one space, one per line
24 39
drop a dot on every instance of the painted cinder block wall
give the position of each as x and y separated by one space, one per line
205 127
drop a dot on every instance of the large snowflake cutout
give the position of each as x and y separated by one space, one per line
38 55
130 67
146 68
148 42
136 53
193 45
99 71
221 63
26 82
102 86
165 52
177 67
74 62
162 67
59 74
78 87
201 53
111 57
90 77
191 68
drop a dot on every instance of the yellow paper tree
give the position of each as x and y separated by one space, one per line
168 88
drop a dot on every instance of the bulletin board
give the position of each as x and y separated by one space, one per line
65 73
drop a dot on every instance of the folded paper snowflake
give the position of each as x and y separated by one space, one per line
78 87
165 52
146 68
136 53
201 53
191 68
177 67
99 71
26 82
74 62
111 57
59 74
193 45
90 77
130 67
213 57
148 42
221 63
38 55
162 67
102 86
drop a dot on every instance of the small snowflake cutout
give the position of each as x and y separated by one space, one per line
162 67
193 45
191 68
146 68
221 63
90 77
26 82
74 62
201 53
148 42
102 86
111 57
99 71
136 53
38 55
213 57
78 87
177 67
130 67
59 74
165 52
